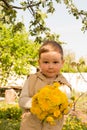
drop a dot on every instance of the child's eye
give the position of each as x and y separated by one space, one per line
46 62
55 62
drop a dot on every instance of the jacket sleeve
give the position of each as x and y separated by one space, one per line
25 99
66 90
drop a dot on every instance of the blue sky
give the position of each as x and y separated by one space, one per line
69 29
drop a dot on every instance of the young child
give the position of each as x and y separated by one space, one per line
50 63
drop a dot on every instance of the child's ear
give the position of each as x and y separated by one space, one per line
39 62
63 61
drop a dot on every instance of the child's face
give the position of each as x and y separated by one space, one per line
50 63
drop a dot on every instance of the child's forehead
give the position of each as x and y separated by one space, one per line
50 54
48 47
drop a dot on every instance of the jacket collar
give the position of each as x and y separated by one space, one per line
60 78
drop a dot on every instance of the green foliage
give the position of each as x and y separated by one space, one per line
73 123
72 9
17 52
18 27
68 68
10 112
73 67
10 116
39 11
9 124
82 66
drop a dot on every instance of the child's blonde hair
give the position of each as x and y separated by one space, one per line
51 46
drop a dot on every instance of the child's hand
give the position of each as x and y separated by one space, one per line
66 90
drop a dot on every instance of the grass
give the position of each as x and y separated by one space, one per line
9 124
10 118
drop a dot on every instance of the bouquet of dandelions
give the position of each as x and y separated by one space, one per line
50 104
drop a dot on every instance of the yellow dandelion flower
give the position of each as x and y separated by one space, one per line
56 113
60 116
66 111
56 84
43 115
50 119
52 105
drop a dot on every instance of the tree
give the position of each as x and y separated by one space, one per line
39 10
17 52
69 58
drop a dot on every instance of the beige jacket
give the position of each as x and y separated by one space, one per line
34 83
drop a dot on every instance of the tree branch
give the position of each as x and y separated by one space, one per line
18 7
6 3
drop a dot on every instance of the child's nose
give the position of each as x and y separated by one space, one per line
50 65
